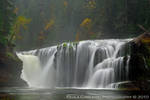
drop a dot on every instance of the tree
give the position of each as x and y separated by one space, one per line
21 22
7 16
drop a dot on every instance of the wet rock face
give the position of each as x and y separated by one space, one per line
139 69
10 69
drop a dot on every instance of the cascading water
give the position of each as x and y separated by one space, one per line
90 64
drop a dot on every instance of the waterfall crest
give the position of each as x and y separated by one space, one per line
90 64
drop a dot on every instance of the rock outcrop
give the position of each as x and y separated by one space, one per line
139 70
10 68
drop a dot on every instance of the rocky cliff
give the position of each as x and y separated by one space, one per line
10 68
139 70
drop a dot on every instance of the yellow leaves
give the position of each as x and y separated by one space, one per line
145 40
86 30
17 37
86 23
41 36
49 24
91 4
21 22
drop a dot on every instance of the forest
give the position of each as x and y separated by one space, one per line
31 24
74 44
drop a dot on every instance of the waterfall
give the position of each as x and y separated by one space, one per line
89 64
31 68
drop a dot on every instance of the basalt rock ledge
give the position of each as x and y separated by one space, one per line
10 68
139 65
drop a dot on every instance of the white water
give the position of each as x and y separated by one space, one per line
31 69
90 64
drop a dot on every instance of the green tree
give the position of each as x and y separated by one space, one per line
7 16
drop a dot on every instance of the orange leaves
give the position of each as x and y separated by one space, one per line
49 24
77 36
65 3
16 10
41 36
91 33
